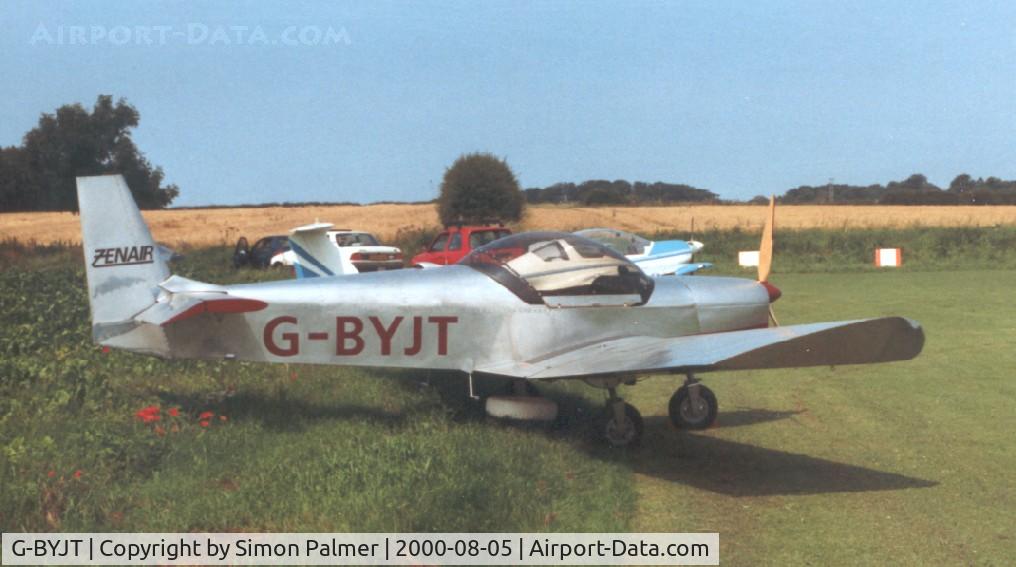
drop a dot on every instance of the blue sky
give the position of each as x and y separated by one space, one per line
742 98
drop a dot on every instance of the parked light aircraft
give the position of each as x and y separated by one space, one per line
314 254
530 307
654 258
321 250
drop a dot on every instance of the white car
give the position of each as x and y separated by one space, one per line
320 250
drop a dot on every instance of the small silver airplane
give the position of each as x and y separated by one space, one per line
530 307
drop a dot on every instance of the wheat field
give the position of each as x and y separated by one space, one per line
201 227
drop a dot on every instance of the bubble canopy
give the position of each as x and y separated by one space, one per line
561 269
619 240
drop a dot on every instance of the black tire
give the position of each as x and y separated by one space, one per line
619 438
684 416
241 253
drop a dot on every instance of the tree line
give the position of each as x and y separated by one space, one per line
39 175
914 190
602 192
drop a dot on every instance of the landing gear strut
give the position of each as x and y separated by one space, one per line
622 424
693 406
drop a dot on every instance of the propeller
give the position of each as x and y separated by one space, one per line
765 259
765 248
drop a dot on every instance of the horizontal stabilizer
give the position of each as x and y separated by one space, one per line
180 284
175 311
313 227
793 346
188 298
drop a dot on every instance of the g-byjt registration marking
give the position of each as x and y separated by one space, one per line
353 334
122 256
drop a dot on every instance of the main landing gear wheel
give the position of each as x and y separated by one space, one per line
622 424
693 406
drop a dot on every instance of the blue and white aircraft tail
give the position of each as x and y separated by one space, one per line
316 256
654 258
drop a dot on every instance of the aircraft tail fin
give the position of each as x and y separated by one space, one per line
315 255
123 265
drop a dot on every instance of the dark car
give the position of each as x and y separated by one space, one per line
266 252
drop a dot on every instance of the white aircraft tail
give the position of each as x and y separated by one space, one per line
315 255
123 265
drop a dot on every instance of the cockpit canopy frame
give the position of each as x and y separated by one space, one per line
621 241
561 270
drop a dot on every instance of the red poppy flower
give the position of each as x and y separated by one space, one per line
148 414
174 412
206 415
51 474
204 423
77 473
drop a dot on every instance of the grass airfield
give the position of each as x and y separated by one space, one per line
907 462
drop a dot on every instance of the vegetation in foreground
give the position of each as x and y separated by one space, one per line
114 441
907 462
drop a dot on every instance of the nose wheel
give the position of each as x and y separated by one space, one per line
622 423
693 406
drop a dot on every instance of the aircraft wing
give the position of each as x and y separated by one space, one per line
792 346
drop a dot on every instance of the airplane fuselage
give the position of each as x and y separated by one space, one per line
449 318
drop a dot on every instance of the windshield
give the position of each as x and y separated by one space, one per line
536 265
618 240
480 238
355 239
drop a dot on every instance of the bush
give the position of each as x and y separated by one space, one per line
479 188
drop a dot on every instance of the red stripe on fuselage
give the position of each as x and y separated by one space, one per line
232 305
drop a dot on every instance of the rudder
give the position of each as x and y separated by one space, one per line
122 263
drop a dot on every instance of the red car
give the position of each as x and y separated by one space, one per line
454 242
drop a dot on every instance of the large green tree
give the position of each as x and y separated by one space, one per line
15 180
71 142
480 187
